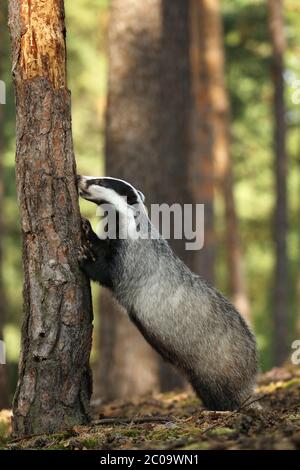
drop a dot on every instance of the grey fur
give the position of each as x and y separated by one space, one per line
187 321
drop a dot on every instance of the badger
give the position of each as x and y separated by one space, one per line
184 318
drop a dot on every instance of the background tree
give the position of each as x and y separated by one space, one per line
127 362
54 378
277 35
3 368
146 145
200 179
211 141
3 317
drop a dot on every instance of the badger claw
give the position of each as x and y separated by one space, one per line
82 254
86 226
85 253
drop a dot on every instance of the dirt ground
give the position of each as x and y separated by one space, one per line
178 421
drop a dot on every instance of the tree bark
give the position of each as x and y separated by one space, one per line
146 145
277 36
201 163
54 385
210 157
170 183
4 401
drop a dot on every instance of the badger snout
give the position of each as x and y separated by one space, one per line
81 182
82 185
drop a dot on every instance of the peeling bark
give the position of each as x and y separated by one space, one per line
54 385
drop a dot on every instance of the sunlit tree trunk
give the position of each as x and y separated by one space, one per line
297 331
298 309
146 145
201 165
277 35
211 158
54 378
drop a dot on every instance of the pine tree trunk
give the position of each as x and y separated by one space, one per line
211 140
201 164
276 26
54 385
4 402
145 144
172 144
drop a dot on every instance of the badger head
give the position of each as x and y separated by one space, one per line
108 190
115 194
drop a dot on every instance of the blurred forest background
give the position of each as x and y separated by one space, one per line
134 128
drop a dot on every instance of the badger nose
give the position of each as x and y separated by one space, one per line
78 179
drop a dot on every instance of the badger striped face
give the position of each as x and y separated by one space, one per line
119 202
109 190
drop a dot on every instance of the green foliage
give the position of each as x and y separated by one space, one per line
86 22
248 60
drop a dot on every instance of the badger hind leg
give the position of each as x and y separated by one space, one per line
216 397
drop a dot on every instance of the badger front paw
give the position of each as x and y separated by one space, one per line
86 254
86 227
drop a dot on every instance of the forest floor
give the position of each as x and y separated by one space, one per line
177 421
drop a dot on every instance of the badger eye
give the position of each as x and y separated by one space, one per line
131 199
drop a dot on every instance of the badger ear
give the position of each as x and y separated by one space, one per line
141 196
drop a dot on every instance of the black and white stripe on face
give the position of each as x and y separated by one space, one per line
108 190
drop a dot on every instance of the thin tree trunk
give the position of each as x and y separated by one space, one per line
297 331
212 140
4 402
298 225
3 368
54 385
201 164
172 144
145 144
276 26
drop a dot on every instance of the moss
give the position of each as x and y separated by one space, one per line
164 434
277 426
177 432
90 442
5 425
291 383
196 446
294 417
133 432
190 401
57 446
221 432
